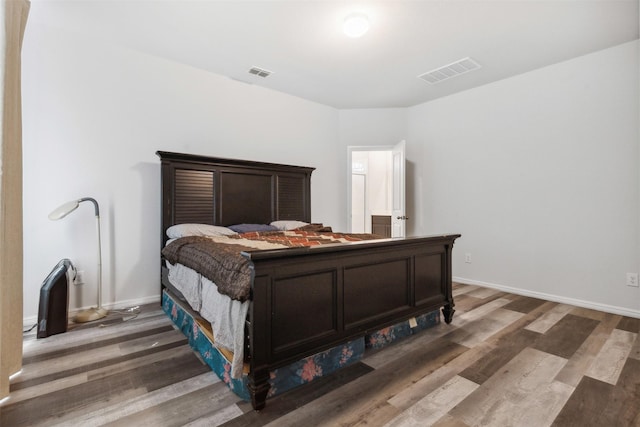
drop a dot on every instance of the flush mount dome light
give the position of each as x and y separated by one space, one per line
355 24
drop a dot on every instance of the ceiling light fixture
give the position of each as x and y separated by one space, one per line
356 24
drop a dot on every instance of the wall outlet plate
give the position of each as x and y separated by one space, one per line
632 279
467 258
79 279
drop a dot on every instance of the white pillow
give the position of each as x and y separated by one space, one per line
288 225
183 230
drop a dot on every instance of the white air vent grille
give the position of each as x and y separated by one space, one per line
448 71
260 72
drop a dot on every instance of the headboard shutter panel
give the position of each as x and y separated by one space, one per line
194 197
289 206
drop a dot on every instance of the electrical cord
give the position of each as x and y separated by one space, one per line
135 311
30 329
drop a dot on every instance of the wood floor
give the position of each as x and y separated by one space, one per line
506 360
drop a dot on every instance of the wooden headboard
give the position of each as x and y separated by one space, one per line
217 191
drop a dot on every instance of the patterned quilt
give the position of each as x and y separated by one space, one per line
219 259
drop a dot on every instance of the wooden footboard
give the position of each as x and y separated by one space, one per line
305 300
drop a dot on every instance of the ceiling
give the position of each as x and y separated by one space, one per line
302 43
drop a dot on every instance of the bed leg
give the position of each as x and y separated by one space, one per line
448 311
259 388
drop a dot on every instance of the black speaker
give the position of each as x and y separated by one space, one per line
53 312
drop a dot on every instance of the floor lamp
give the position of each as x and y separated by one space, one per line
93 313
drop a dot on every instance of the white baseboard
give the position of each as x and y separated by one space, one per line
555 298
27 322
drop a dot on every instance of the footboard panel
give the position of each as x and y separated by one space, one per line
303 309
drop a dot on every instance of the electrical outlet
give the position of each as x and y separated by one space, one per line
467 258
632 279
79 279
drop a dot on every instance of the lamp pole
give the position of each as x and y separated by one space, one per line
97 209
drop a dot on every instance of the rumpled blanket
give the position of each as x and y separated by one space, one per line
219 262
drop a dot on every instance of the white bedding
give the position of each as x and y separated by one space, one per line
227 316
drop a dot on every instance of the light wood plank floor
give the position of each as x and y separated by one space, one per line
506 360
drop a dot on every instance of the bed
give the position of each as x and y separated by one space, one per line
302 300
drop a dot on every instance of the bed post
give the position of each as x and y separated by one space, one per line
259 388
447 309
259 338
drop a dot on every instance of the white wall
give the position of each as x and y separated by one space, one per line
540 175
94 116
366 127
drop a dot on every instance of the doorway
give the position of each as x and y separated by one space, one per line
376 189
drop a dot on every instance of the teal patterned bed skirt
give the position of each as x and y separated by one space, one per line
297 373
400 330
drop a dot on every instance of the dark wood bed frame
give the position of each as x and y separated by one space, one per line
304 300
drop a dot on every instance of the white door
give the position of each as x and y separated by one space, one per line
398 213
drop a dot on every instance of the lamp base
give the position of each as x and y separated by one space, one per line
90 314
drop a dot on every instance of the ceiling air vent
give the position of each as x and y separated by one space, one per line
448 71
260 72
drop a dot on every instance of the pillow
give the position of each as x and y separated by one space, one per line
248 228
183 230
288 225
